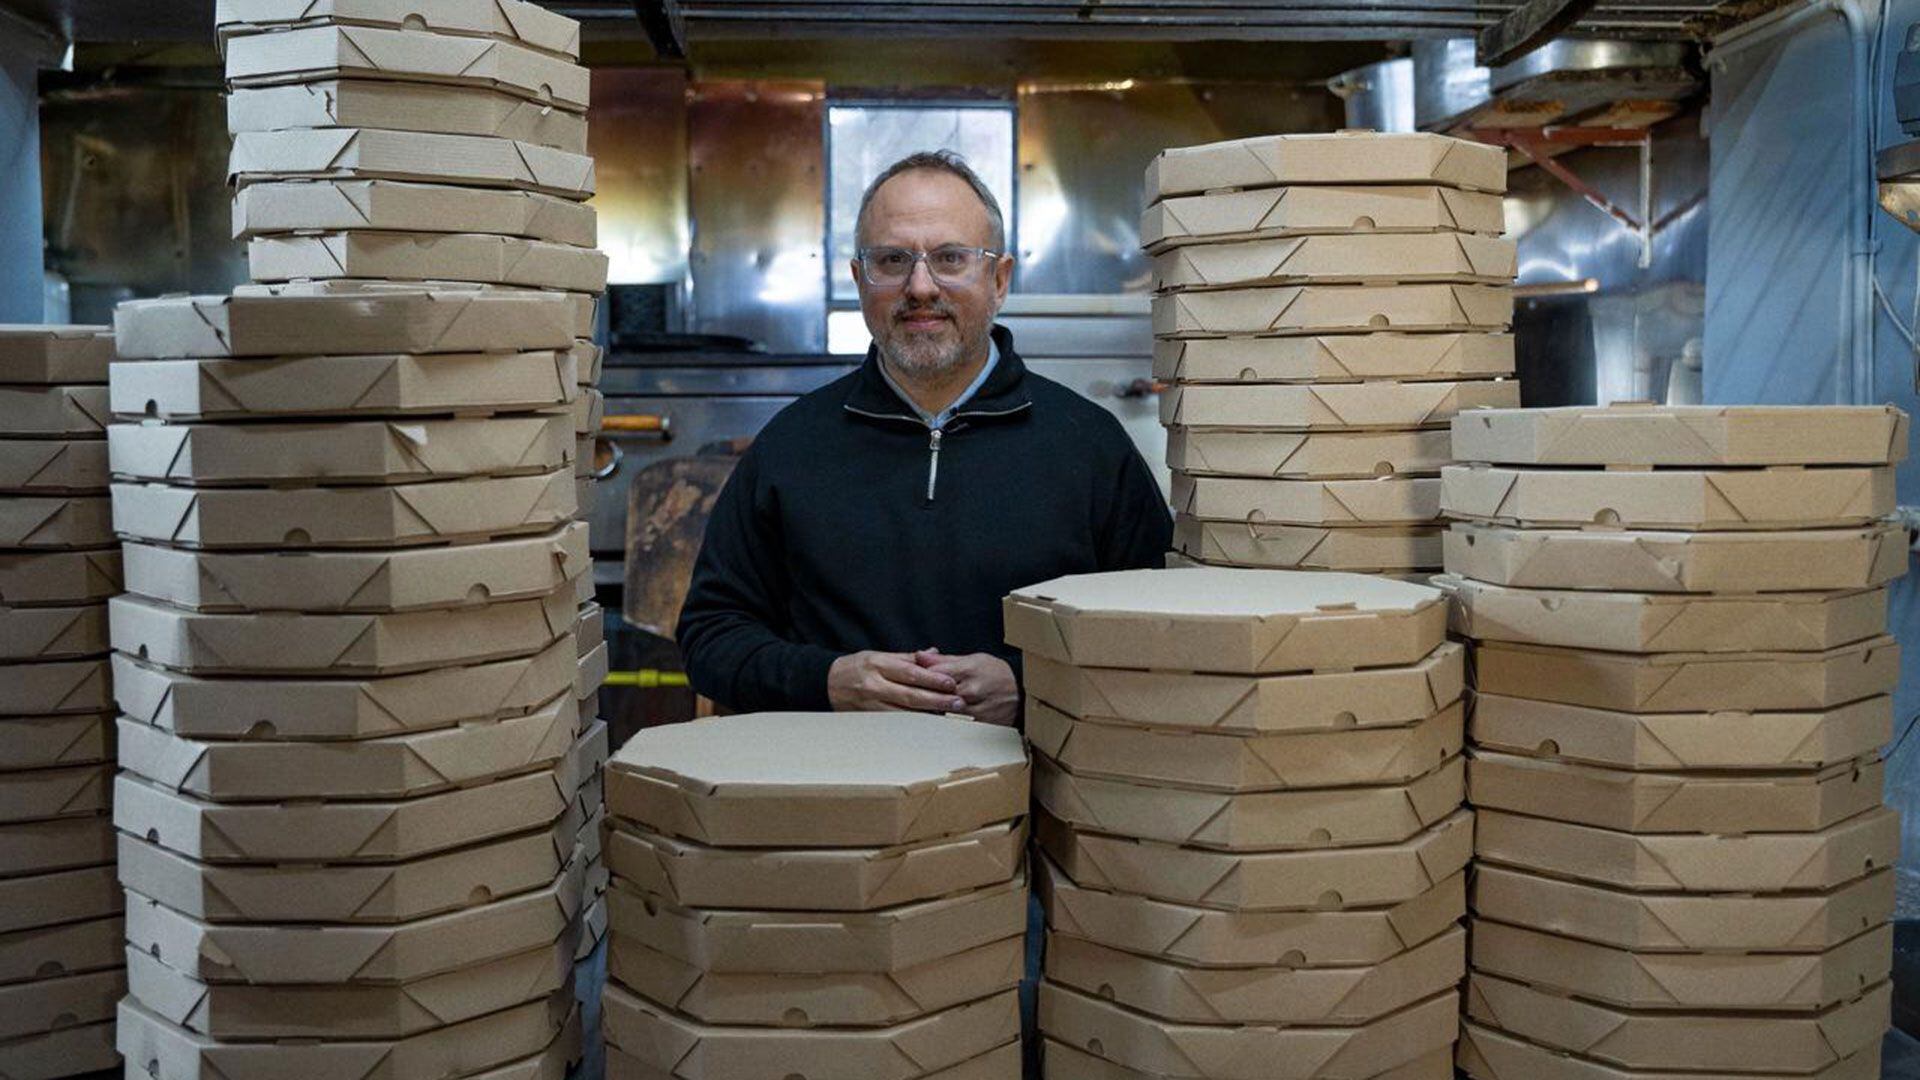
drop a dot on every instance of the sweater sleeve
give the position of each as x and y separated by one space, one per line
1139 528
730 627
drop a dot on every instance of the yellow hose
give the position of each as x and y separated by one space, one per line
646 678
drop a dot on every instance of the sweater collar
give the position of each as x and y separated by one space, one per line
1004 392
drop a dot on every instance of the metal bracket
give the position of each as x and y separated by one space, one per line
1526 28
1535 142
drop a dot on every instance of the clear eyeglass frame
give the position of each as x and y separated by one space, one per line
950 264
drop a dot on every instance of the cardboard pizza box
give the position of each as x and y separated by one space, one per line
1387 500
483 258
1311 310
60 578
1065 1062
57 411
1378 258
32 848
40 953
428 108
582 308
1392 550
1205 452
52 355
52 633
1347 157
48 1005
1313 209
301 387
300 54
1486 1054
270 324
85 893
1686 435
506 20
1835 496
319 206
1329 407
1690 682
69 791
1778 741
53 466
1335 358
346 153
56 687
56 522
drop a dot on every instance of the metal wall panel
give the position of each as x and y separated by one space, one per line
1083 158
21 296
758 196
638 139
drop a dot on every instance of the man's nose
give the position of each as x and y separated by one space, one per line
920 284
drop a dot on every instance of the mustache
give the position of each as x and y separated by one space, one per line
904 311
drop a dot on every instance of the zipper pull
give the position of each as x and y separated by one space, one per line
933 462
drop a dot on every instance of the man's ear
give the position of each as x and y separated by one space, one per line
1002 275
859 279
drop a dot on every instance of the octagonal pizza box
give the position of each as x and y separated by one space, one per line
581 308
1388 551
744 941
1327 879
481 257
84 1047
52 355
319 386
70 791
1693 863
1340 455
48 1005
1355 258
674 1046
429 108
49 899
1380 500
1248 1052
1335 358
57 411
1833 496
1310 310
31 848
1063 1062
43 578
1719 739
403 53
1318 209
789 780
1226 621
1383 405
1688 682
1208 938
813 879
55 687
1487 1054
362 153
505 20
1347 157
267 324
1686 435
37 523
65 949
51 633
321 206
53 466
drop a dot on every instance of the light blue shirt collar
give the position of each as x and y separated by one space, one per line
936 421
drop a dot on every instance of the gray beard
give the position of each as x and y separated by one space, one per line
929 358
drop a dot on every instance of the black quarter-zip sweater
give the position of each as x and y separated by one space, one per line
849 525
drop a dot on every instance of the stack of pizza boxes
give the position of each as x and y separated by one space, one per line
839 896
1326 304
359 799
1683 685
61 966
1249 818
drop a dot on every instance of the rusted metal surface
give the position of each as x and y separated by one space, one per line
668 505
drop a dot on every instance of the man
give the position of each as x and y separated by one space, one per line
858 556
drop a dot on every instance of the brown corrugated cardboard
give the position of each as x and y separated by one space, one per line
369 894
54 354
1387 500
354 955
590 672
419 157
583 453
1311 209
399 321
347 643
1229 621
400 766
236 1011
70 948
461 1049
993 1065
373 581
1255 1052
1288 455
436 512
1486 1054
592 923
70 791
350 452
1653 922
1329 406
589 628
313 386
1233 940
399 106
1387 550
1338 358
52 633
1332 309
785 942
1642 622
1696 435
1330 701
59 577
1252 821
1325 880
1698 740
320 206
1676 802
1381 258
1304 996
320 708
785 780
306 54
582 307
428 256
1770 862
837 1000
52 466
336 832
1798 561
1203 760
589 359
49 899
686 1050
32 848
70 1050
36 742
838 880
1063 1062
507 20
589 412
1347 157
57 411
55 686
1758 981
1725 499
46 1005
1689 682
1685 1041
55 522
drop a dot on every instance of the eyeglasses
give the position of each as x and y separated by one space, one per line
952 264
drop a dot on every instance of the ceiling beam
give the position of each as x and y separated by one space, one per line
665 28
1526 28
